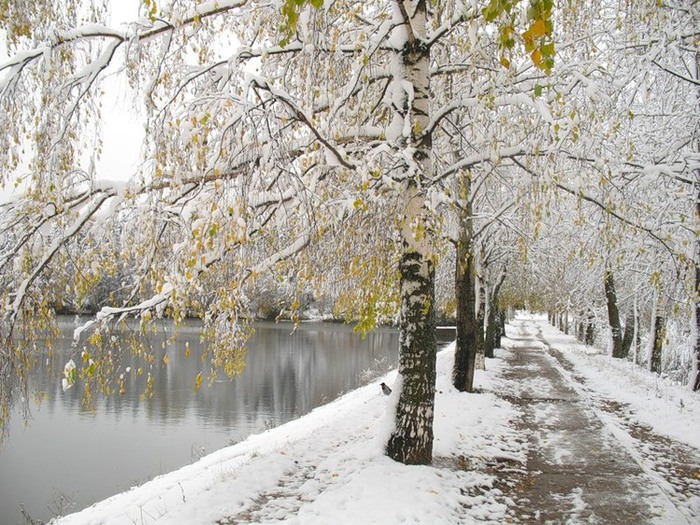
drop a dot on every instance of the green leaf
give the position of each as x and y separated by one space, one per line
548 49
290 13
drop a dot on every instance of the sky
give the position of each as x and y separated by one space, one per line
123 132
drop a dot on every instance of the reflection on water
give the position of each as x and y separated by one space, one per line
69 456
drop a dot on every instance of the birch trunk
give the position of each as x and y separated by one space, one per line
467 326
412 439
492 340
628 336
465 287
658 337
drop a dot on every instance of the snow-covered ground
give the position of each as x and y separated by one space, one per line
329 466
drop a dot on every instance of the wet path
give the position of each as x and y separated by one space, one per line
585 464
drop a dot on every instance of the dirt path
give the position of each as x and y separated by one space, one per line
587 463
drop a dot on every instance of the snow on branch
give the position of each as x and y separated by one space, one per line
7 256
491 157
15 64
108 313
292 249
680 76
194 16
451 24
77 225
301 116
85 79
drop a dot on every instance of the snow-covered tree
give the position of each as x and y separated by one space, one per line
262 128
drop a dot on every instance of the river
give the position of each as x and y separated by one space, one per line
67 456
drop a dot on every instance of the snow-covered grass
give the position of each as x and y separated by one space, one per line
329 467
669 408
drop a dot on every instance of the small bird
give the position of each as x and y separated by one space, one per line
386 389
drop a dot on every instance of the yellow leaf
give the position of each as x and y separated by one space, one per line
198 382
538 28
536 56
505 62
187 349
166 359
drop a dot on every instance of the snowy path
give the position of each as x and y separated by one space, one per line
588 460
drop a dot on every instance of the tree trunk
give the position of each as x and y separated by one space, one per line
613 314
590 328
498 328
658 343
411 442
480 314
695 381
580 327
502 318
637 336
486 316
465 284
695 378
695 385
492 340
490 335
564 321
628 337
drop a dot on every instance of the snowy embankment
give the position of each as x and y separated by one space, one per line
667 407
329 467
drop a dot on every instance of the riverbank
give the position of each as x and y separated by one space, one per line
492 451
330 465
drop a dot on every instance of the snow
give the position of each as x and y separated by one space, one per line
330 466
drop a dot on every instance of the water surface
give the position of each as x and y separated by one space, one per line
67 456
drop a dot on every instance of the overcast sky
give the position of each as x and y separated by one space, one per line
122 131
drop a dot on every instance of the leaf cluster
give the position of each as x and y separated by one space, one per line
537 39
